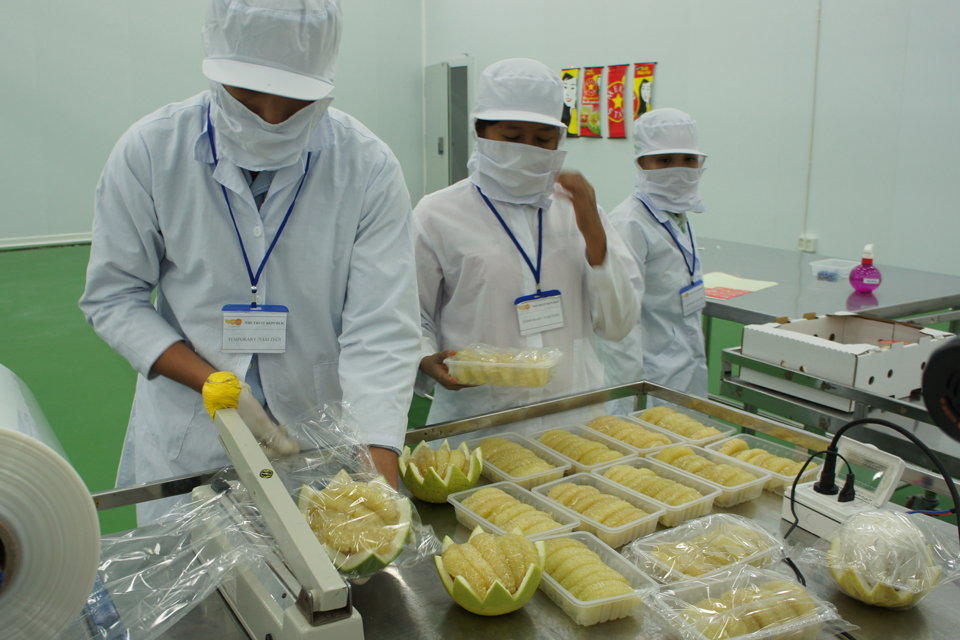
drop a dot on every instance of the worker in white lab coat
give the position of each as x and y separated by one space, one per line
666 346
511 229
255 185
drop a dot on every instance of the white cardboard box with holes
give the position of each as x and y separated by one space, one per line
882 357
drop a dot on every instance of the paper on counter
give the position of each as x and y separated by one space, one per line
723 286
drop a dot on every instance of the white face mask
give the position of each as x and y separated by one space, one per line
254 144
674 189
514 172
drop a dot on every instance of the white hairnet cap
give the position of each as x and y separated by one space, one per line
283 47
519 89
665 131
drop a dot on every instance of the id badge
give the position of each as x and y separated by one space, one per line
693 298
260 330
539 312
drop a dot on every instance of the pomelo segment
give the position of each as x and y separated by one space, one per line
497 600
362 526
433 475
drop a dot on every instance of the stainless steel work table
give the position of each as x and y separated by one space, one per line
412 603
903 292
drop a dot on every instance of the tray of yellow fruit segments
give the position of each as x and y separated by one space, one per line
737 481
590 581
606 509
703 547
681 496
483 364
504 507
583 448
748 604
693 427
491 575
510 457
781 462
642 437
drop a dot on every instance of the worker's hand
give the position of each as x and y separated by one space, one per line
272 438
584 202
387 463
433 366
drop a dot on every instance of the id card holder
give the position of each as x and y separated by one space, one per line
260 330
539 312
693 298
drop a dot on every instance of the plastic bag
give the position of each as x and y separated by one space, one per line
484 364
744 603
362 522
886 558
703 547
151 577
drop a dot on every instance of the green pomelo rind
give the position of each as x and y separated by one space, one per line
433 488
499 600
365 562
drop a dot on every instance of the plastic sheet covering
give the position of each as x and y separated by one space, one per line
362 522
151 577
744 603
703 547
886 558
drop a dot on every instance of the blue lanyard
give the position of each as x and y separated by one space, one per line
254 279
693 245
536 271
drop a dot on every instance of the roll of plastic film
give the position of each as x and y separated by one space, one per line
49 532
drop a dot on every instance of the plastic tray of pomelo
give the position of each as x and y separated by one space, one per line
736 480
590 581
783 463
583 448
503 507
694 427
521 460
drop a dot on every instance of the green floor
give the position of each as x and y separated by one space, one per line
85 389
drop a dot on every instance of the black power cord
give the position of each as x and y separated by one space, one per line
844 494
828 473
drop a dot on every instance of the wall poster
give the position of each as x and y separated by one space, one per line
616 101
570 93
643 88
590 102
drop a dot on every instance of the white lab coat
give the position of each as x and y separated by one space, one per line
469 273
344 266
665 346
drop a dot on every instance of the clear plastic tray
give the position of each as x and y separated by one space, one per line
832 268
590 612
725 429
495 474
640 552
667 603
613 536
584 432
673 515
729 496
778 481
469 519
673 437
506 374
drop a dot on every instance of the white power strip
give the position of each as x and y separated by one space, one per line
820 514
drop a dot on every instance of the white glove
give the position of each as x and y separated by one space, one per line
273 439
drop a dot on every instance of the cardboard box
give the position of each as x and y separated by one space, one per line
882 357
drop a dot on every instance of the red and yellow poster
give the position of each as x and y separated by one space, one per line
570 93
615 101
643 88
590 102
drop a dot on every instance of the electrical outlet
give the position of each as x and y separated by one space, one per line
807 244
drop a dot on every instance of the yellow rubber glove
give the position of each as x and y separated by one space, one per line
221 391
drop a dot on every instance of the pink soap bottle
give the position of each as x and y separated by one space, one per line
865 277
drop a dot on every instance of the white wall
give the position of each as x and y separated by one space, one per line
75 75
880 138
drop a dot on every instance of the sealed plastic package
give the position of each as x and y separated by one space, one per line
744 603
886 558
704 547
484 364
